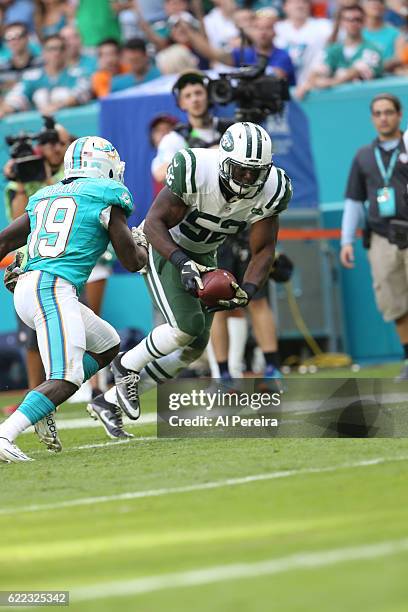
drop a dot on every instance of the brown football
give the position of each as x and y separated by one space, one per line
217 286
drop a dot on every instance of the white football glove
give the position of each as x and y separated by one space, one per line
139 237
191 276
240 300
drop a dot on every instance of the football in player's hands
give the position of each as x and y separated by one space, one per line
216 286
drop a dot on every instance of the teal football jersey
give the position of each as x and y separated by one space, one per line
69 226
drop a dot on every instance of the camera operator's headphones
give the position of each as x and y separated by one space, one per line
189 77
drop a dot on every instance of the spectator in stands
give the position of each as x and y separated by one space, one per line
244 21
355 59
397 12
263 34
96 21
160 33
303 36
78 62
159 127
219 24
109 65
22 58
384 36
50 17
180 36
141 68
260 5
379 175
21 11
50 88
175 59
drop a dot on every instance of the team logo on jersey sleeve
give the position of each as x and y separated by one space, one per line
227 141
125 197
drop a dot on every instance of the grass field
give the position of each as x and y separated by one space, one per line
224 525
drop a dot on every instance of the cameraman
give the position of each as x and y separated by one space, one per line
202 128
52 144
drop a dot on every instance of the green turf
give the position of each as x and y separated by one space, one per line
101 543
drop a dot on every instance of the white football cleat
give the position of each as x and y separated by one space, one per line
10 453
46 430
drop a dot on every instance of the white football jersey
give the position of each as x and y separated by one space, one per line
193 176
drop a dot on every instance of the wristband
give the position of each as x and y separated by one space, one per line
250 289
178 258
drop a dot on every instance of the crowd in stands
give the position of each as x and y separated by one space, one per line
61 53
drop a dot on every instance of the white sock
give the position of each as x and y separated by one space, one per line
215 370
14 425
163 369
237 334
110 396
159 343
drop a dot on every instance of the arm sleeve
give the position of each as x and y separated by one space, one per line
356 185
282 196
118 195
353 217
180 178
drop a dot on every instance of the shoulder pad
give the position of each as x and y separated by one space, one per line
181 173
117 194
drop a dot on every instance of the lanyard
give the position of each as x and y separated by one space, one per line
386 174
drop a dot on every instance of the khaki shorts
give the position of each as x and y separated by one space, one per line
389 267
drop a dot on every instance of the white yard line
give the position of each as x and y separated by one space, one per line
87 422
217 484
210 575
110 444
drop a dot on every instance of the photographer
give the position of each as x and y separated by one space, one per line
379 174
202 128
52 144
47 164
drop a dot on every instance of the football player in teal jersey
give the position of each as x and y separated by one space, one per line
67 227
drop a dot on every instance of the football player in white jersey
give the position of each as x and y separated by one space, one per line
209 194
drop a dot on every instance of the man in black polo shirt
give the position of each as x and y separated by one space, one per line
379 175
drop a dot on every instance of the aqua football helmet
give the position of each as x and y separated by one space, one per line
93 157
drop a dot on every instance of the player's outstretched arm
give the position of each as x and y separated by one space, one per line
15 235
262 243
166 212
132 256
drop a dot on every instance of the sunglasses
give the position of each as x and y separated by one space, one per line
10 37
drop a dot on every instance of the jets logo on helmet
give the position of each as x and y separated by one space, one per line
227 141
93 157
245 166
